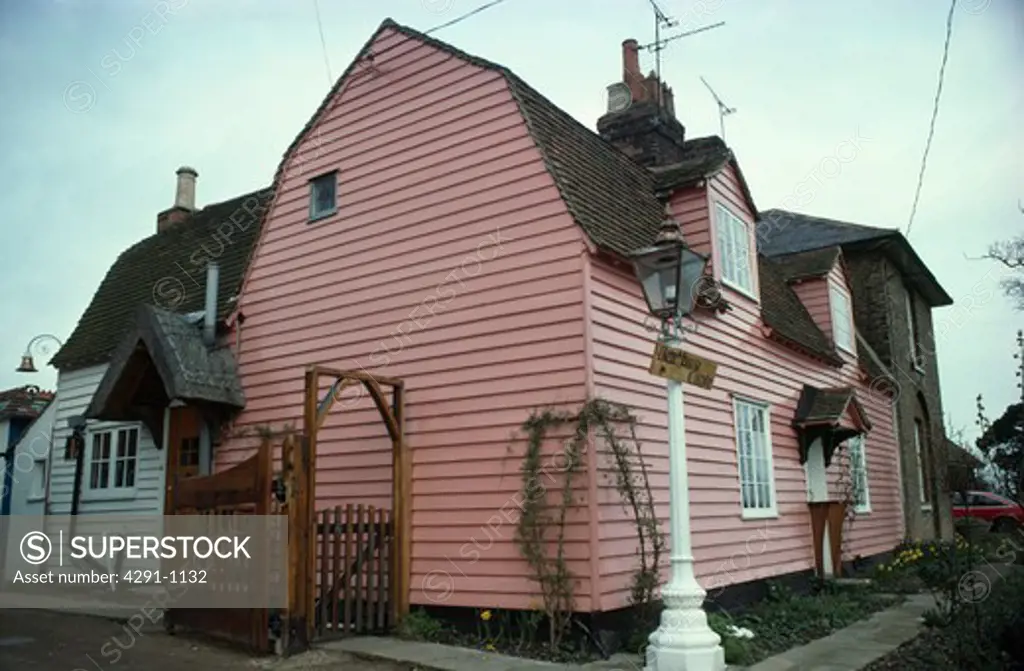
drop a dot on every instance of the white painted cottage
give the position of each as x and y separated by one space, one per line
119 450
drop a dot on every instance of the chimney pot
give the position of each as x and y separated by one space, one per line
184 200
185 194
631 74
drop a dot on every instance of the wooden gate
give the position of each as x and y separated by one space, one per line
244 489
354 558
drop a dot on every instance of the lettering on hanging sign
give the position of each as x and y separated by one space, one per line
673 363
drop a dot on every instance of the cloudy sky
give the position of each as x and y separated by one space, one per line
104 99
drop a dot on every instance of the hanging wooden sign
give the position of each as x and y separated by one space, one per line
673 363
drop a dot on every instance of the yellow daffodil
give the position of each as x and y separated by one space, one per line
485 616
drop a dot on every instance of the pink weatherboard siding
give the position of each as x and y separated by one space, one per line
453 263
813 293
728 549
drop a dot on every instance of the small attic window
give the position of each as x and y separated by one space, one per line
842 319
323 195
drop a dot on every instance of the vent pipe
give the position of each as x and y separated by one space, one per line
210 309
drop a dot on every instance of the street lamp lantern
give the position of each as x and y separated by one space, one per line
668 271
28 364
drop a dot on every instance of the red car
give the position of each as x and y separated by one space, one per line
1003 514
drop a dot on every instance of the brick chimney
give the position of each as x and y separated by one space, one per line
184 200
647 130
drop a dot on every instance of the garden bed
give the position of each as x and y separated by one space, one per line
784 620
776 624
984 636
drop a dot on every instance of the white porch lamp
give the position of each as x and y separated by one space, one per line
669 272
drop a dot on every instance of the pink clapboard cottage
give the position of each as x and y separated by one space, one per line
452 228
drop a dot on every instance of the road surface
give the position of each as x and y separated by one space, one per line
34 640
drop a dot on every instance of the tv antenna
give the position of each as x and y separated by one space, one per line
662 20
723 109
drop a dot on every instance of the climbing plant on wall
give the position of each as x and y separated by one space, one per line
540 533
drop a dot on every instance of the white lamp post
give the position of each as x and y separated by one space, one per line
669 272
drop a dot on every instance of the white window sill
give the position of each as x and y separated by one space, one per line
749 293
35 498
863 510
108 494
760 514
926 507
849 350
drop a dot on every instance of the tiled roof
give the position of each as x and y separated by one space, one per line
786 315
706 156
805 265
189 370
826 406
27 401
168 269
781 232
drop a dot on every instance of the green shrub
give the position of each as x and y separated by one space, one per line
983 637
419 626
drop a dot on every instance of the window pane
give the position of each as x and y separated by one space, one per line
748 496
323 194
119 473
724 246
133 442
94 476
129 478
742 253
104 480
106 446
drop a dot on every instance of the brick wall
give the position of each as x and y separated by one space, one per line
881 316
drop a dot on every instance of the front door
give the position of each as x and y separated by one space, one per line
182 450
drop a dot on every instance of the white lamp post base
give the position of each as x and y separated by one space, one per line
684 641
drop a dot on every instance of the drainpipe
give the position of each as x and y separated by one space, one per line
210 309
209 338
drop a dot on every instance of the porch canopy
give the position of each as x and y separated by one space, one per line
831 414
161 359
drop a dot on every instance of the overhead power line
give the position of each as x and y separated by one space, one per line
465 16
935 114
323 43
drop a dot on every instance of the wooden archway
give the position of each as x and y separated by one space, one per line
303 537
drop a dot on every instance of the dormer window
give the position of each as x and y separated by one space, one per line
733 241
323 196
842 318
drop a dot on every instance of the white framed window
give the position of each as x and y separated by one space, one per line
842 318
113 459
732 236
859 475
754 456
922 468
